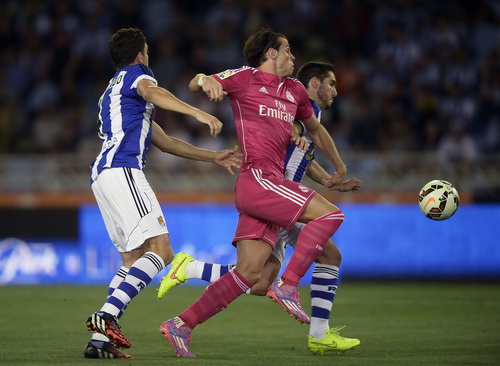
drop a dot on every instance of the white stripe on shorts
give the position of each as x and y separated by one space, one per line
279 189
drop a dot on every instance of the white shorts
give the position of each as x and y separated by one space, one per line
287 237
129 207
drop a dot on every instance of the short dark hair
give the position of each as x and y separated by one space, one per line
124 45
258 43
313 69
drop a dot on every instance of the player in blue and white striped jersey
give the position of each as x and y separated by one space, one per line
129 207
320 82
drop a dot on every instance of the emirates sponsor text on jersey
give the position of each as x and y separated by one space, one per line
279 112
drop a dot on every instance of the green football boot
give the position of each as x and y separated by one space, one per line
332 341
177 274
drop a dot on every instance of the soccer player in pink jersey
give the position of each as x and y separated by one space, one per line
320 82
265 102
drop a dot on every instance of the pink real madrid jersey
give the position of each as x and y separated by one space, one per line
264 109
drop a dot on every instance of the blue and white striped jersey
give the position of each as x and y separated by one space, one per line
125 121
297 161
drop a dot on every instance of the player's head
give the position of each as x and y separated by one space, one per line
127 44
319 80
266 45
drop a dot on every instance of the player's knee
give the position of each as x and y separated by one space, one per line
338 214
334 219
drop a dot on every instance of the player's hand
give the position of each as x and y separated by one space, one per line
337 179
352 184
299 142
213 89
229 159
213 122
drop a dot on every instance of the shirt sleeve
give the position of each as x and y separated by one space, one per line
304 108
234 81
137 74
141 77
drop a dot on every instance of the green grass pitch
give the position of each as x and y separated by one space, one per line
403 324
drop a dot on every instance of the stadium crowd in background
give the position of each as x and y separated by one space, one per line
413 72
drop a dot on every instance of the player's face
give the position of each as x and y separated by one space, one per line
327 91
285 59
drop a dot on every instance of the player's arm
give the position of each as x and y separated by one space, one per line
296 137
228 158
164 99
320 136
209 85
318 174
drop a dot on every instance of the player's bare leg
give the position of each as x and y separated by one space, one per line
267 276
323 219
252 255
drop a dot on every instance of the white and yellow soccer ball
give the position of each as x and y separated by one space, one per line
438 200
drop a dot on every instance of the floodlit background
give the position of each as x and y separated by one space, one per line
419 99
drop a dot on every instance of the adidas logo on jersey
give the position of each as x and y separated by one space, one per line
263 90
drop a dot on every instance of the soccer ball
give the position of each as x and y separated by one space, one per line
438 200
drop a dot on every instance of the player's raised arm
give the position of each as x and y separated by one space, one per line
209 85
317 173
228 158
296 137
323 140
164 99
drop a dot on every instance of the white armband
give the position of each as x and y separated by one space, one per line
200 81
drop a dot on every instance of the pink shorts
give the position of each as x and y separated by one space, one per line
266 203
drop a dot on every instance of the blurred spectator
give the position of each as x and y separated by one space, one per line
462 71
221 46
400 50
8 116
457 146
431 135
167 64
455 104
47 128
